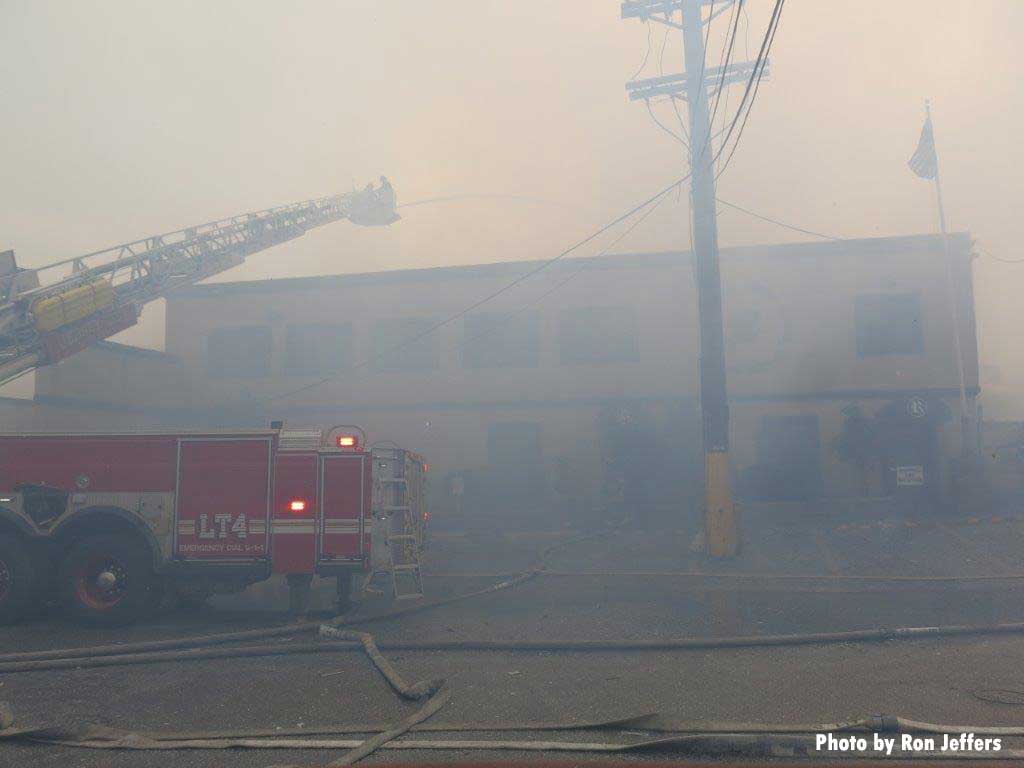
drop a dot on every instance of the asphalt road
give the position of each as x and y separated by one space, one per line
935 680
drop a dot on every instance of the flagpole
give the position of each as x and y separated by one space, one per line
964 450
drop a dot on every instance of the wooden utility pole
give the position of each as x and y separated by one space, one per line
719 512
720 530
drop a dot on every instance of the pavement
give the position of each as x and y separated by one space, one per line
803 575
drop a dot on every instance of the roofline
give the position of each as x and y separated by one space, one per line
887 246
144 432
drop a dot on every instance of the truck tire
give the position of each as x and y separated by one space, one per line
108 580
17 580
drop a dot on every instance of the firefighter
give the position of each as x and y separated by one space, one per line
386 194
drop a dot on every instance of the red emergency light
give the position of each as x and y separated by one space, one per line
297 505
347 441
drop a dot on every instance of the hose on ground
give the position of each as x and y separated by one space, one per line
524 646
434 691
421 690
766 740
289 630
750 739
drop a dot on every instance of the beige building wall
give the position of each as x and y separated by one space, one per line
798 345
130 378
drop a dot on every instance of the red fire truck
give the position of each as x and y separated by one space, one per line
107 523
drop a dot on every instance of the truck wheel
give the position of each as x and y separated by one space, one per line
108 580
17 580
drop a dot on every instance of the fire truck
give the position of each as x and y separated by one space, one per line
108 524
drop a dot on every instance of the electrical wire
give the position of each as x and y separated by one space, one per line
489 297
988 255
485 196
758 73
664 127
776 221
661 73
647 55
661 55
754 75
572 275
724 65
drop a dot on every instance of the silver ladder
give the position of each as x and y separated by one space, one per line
402 539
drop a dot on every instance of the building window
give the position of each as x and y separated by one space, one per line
239 352
598 335
513 444
499 341
317 348
889 325
789 458
403 344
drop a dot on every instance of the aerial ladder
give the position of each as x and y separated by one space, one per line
102 293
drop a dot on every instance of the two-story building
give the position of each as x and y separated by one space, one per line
519 394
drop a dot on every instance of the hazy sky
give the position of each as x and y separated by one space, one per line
126 119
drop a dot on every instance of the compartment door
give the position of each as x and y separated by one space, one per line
294 518
222 504
344 506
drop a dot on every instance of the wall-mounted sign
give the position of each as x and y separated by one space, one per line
909 476
917 407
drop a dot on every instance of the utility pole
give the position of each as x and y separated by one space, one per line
719 512
720 534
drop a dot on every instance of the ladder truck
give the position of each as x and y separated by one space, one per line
107 525
100 294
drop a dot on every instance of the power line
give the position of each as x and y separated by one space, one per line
988 255
776 221
773 26
664 127
482 196
647 55
563 281
725 59
756 74
461 313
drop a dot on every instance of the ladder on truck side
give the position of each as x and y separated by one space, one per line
398 521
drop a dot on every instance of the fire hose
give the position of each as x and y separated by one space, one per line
84 660
433 690
689 737
703 738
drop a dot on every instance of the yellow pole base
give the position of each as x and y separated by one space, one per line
720 512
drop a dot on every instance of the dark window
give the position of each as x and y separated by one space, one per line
403 344
243 352
318 348
513 444
889 325
498 341
598 335
789 458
